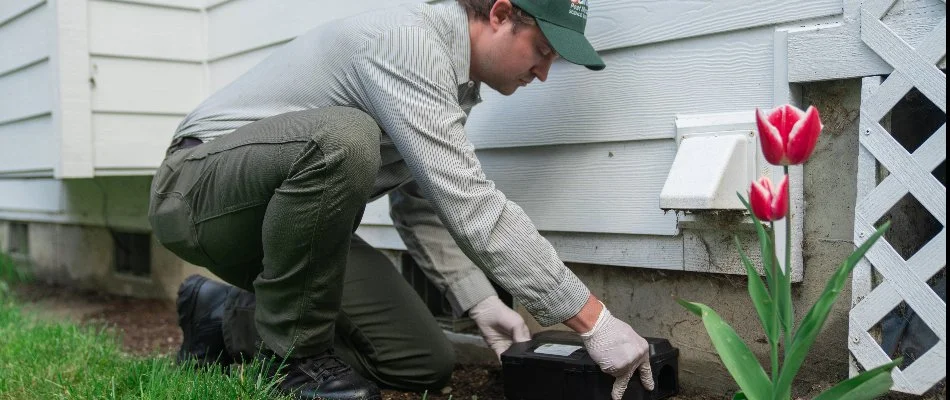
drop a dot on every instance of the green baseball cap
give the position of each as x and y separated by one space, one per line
563 23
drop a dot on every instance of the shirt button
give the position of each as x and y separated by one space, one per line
471 83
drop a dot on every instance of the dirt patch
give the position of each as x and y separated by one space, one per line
145 326
149 327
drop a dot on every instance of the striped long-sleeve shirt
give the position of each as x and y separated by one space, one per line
408 68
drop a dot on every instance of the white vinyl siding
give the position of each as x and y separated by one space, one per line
635 98
31 196
26 92
26 37
129 143
147 71
26 147
621 23
134 86
240 25
131 30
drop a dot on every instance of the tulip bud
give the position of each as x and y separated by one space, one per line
788 135
769 203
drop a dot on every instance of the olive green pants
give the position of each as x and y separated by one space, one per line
271 208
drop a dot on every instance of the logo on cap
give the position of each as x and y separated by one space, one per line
579 8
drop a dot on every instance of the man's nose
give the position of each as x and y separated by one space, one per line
542 68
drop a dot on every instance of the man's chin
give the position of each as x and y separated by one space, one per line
506 90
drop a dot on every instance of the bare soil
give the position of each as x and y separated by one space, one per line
148 327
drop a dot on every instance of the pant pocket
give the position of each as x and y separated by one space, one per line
174 227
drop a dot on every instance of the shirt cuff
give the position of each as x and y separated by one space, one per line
560 303
465 293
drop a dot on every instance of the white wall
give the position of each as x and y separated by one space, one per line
146 65
26 93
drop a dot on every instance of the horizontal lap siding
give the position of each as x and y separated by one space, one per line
26 39
26 92
241 25
130 30
597 187
194 5
11 9
145 87
31 195
636 97
26 133
147 74
623 23
27 147
586 154
127 143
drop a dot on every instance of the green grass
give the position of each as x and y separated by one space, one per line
65 361
10 274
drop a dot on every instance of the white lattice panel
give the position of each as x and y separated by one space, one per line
910 173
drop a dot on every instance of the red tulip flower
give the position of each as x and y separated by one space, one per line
769 203
788 134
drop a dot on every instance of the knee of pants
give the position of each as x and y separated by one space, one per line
431 372
356 134
442 364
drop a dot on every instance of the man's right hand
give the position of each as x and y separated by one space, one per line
619 351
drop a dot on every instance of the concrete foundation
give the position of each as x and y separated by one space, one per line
82 256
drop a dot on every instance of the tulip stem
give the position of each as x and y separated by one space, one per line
789 318
773 288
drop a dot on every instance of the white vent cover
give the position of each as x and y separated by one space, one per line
716 159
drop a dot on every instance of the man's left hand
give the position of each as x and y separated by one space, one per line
500 325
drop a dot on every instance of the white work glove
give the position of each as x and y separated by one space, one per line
619 351
500 325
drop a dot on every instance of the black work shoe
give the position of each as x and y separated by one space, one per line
200 309
323 376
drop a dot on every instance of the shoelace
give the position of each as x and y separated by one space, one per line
326 365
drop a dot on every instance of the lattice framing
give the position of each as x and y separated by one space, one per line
909 173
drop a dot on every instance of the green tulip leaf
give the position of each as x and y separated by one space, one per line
737 358
815 319
760 297
775 279
767 250
739 396
866 386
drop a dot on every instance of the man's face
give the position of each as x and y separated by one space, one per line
515 57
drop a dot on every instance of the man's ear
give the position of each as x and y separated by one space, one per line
500 13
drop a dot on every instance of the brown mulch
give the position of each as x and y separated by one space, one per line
149 327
